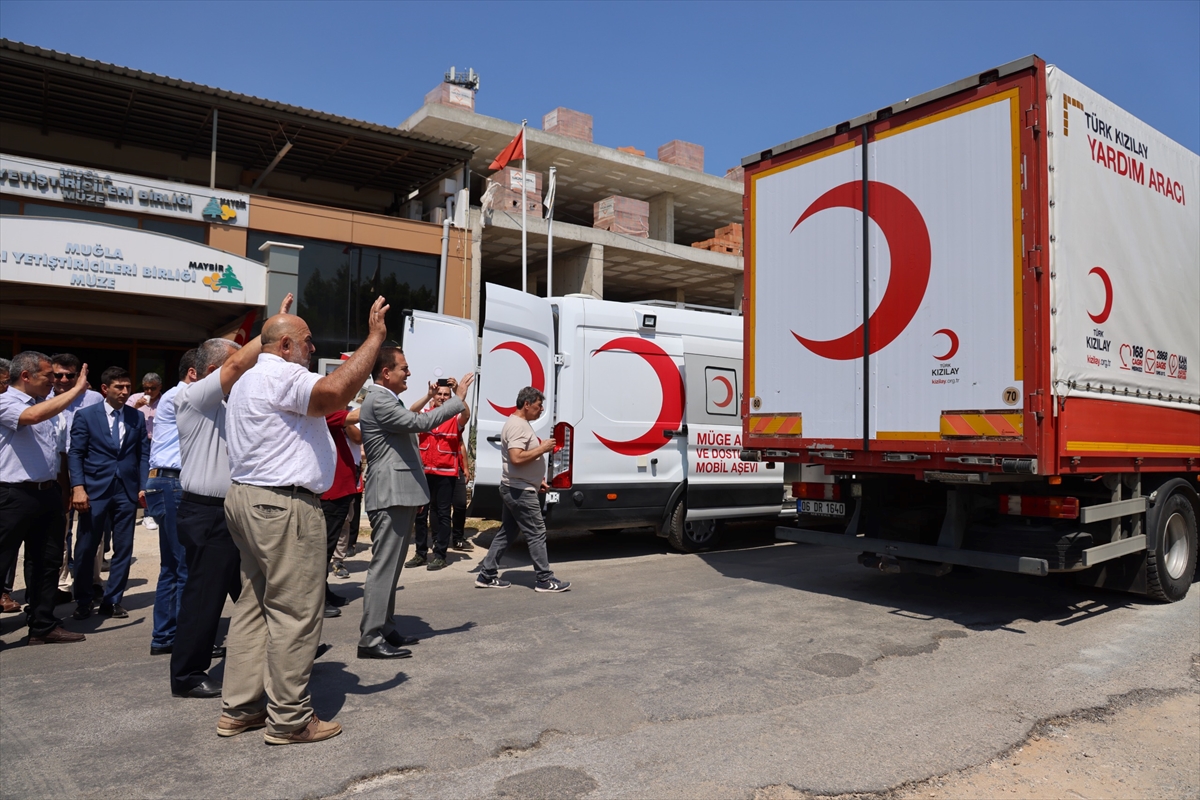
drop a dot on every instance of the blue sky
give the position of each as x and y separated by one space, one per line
734 77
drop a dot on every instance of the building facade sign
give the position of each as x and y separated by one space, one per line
99 257
63 183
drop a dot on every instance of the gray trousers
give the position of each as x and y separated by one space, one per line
276 623
391 528
521 513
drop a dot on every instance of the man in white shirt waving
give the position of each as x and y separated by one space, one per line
281 460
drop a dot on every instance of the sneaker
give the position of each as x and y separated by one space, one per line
314 731
436 563
552 585
340 571
228 726
149 524
415 561
483 582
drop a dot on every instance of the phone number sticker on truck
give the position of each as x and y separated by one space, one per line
823 508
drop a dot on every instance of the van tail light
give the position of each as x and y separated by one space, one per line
1032 506
816 491
561 459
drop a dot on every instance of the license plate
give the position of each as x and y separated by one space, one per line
551 497
823 508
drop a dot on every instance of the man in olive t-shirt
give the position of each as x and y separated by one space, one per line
523 475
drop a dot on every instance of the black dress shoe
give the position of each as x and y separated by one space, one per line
332 611
383 650
396 640
114 611
61 597
218 651
165 650
205 689
82 611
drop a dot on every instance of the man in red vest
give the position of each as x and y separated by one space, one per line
441 451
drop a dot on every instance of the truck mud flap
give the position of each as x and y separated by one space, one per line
923 552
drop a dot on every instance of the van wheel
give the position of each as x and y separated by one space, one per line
694 536
1171 565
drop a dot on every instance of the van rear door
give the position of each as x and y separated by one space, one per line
518 350
436 346
719 483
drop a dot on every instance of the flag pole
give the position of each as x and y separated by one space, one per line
550 237
524 203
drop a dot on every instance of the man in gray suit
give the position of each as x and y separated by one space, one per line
395 488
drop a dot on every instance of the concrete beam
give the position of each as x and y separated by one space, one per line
580 271
662 217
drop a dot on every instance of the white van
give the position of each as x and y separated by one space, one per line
643 401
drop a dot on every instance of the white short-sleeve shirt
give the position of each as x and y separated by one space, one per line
272 441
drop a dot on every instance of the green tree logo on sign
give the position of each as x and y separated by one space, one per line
215 212
223 280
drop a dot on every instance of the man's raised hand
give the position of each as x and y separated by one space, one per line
377 321
464 385
286 305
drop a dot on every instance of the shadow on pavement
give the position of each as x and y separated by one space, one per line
333 680
979 599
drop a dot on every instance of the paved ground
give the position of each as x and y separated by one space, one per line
776 670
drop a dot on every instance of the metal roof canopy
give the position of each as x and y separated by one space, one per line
60 92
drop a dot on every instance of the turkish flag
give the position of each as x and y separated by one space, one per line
243 334
515 150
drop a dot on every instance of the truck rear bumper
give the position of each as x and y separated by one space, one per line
922 552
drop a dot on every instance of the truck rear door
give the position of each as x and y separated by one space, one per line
518 351
886 267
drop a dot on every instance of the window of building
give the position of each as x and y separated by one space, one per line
76 212
339 282
183 230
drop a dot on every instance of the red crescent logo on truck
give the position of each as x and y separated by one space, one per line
953 337
728 388
908 239
1108 296
670 415
537 376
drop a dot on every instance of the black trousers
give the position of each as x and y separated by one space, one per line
213 573
458 515
335 512
34 517
441 493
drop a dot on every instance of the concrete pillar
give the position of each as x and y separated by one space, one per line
679 296
283 273
580 271
739 284
662 217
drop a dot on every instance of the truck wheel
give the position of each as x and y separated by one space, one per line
1172 563
694 536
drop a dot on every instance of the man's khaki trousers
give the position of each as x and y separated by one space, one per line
277 619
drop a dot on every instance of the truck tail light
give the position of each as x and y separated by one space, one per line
561 459
1031 506
816 491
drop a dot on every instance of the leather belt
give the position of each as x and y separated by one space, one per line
203 499
37 485
163 472
291 489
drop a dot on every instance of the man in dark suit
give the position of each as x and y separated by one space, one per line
109 462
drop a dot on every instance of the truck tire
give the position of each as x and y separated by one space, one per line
691 537
1172 563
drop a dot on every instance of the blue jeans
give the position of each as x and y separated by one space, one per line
163 496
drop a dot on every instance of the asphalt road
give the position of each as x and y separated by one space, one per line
658 675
